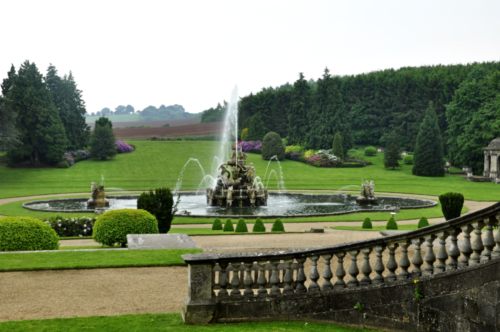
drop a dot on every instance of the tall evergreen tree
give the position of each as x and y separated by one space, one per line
41 131
9 81
391 155
257 128
429 156
337 148
300 105
102 142
9 136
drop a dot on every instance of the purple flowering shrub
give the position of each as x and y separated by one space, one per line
84 154
69 158
247 146
122 147
295 155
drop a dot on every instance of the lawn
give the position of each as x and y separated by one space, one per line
158 323
92 259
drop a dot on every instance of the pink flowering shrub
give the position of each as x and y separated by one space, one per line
122 147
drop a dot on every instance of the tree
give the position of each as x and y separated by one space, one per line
9 81
92 114
428 157
105 111
272 146
391 155
129 109
300 105
256 129
102 142
160 203
104 121
337 146
119 110
9 136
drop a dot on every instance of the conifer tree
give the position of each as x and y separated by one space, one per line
337 146
428 157
9 136
300 105
9 81
102 142
391 155
256 129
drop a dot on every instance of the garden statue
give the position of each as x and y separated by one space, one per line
367 196
98 197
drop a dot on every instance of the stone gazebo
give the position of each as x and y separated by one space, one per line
491 155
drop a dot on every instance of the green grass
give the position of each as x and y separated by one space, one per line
375 228
159 322
92 259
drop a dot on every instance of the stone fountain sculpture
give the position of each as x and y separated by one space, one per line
367 196
98 198
236 188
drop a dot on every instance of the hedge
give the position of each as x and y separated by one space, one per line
25 233
241 226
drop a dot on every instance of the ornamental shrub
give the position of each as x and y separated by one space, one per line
76 226
102 142
24 233
258 227
370 151
160 204
249 146
367 224
451 204
293 148
337 149
278 226
244 134
241 226
217 225
408 160
122 147
113 226
272 146
228 226
301 159
391 224
308 153
62 164
423 222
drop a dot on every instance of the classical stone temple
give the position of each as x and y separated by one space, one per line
491 155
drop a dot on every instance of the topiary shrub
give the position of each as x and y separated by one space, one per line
217 225
278 226
24 233
113 226
391 224
272 146
160 204
370 151
367 224
451 204
337 146
228 226
423 222
241 226
258 227
408 160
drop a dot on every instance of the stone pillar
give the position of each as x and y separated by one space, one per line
486 172
199 306
493 165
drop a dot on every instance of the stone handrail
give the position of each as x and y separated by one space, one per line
282 273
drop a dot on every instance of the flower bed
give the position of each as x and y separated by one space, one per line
248 146
67 227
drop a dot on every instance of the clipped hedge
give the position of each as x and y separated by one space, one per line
258 227
25 233
272 146
451 204
278 226
113 226
367 224
391 224
241 226
228 226
217 225
370 151
423 222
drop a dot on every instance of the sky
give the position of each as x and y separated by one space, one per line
193 53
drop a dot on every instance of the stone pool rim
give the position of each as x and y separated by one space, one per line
27 206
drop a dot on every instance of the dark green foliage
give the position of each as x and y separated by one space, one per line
350 165
217 225
113 226
408 160
8 82
24 233
63 164
103 121
391 224
367 224
160 204
278 226
391 155
300 105
370 151
214 114
258 227
423 222
337 146
172 112
241 226
429 158
166 125
9 136
257 128
451 204
102 143
228 226
272 146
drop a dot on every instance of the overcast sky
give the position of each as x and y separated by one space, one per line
193 52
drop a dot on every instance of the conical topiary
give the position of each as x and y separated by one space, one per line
367 224
217 225
423 222
228 226
241 226
258 226
278 226
391 224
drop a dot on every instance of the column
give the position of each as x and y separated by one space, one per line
486 172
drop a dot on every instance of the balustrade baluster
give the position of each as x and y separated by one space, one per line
366 269
314 275
391 264
379 265
301 276
496 252
275 279
442 254
477 244
340 272
248 282
288 277
488 242
404 262
429 257
353 270
223 280
235 281
262 280
454 252
327 274
466 246
417 260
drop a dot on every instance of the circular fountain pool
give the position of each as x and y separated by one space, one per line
279 205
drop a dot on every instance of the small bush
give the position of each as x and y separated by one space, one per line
258 227
408 160
113 226
278 226
451 204
123 147
160 203
293 148
272 146
391 224
308 153
244 134
217 225
351 165
63 164
241 226
166 125
423 222
257 151
24 233
370 151
228 226
367 224
301 159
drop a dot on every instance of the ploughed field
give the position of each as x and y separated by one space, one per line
187 130
158 123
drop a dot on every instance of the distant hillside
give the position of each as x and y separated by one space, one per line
172 112
115 118
158 123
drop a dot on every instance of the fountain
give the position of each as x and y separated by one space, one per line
367 196
98 197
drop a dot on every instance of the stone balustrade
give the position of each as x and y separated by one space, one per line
246 280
